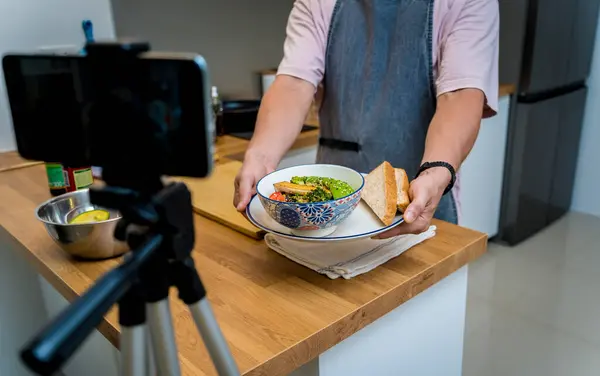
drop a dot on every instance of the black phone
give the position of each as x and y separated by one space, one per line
151 113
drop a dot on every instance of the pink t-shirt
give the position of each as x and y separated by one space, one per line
465 48
465 45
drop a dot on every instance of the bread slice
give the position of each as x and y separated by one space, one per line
380 192
403 199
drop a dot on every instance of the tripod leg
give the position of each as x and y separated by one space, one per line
132 317
213 338
150 363
163 338
133 351
192 292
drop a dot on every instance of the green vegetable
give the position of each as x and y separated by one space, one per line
318 195
338 188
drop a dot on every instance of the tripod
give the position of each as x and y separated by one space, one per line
157 223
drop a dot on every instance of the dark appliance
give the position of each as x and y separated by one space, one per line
547 111
239 118
239 115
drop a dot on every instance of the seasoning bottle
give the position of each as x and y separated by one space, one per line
217 107
56 178
78 177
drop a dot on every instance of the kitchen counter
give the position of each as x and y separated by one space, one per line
276 315
229 147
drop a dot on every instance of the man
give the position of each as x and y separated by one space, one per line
407 81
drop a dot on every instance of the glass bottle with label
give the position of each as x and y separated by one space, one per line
217 107
78 177
56 178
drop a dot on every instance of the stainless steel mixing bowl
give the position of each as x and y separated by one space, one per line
93 240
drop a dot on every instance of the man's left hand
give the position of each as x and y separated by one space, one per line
425 192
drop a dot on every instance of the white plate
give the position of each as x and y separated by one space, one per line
362 223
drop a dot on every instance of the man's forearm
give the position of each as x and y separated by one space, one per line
280 118
455 126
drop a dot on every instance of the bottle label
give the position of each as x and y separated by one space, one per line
56 177
83 178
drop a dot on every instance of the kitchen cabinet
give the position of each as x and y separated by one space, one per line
481 175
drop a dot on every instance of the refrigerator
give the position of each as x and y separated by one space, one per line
546 46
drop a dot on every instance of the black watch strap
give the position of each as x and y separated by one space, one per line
428 165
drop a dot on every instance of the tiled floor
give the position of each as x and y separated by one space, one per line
534 309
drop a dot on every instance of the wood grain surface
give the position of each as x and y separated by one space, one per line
11 160
275 314
235 148
213 198
507 89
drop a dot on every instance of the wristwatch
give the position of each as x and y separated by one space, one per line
448 166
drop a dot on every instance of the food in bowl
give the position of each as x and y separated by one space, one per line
289 196
310 189
88 238
91 216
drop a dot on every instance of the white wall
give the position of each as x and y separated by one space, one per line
26 25
586 195
236 37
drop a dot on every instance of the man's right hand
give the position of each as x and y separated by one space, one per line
253 169
282 113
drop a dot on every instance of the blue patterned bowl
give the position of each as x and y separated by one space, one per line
315 219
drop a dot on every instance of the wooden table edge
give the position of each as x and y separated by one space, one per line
311 347
20 165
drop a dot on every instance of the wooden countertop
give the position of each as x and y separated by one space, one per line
229 147
275 314
506 89
11 160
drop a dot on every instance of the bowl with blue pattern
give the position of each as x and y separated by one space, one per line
317 219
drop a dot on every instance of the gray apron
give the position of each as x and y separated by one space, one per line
378 87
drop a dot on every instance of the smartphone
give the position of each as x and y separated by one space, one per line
151 113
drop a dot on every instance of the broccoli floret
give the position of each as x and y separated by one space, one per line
319 195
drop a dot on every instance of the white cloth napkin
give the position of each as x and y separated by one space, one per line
345 259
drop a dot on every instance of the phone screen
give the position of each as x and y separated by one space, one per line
150 114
